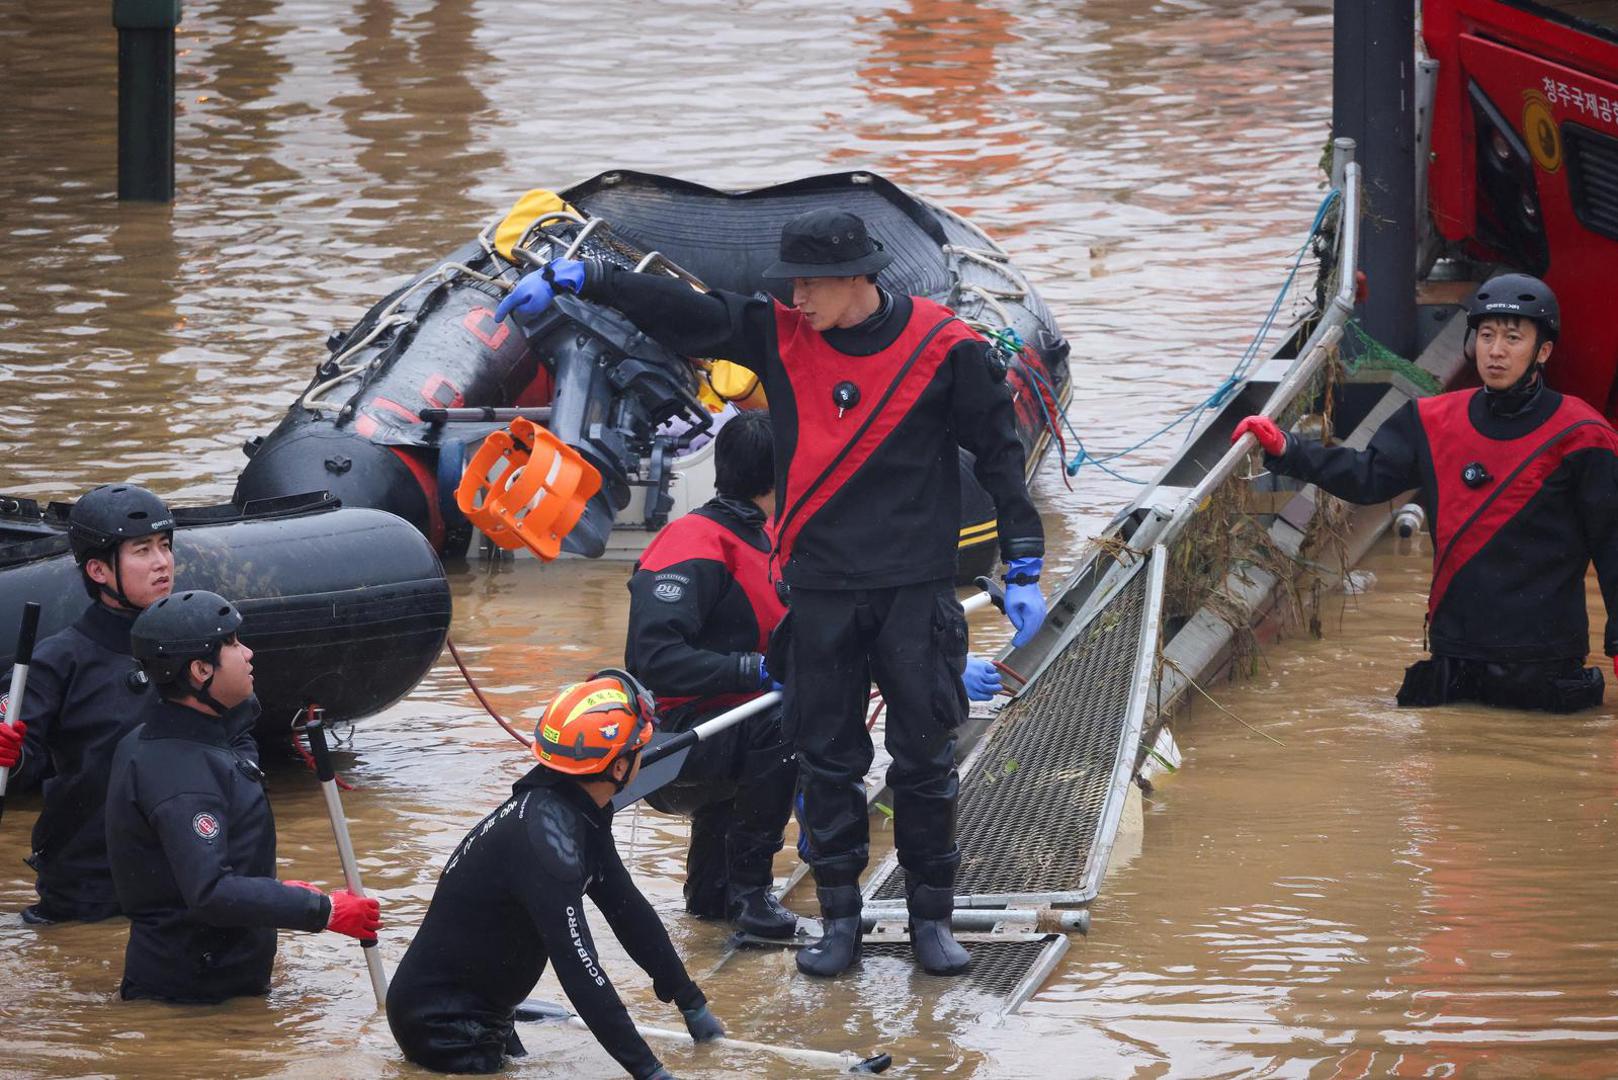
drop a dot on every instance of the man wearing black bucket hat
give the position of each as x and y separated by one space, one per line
870 392
1521 484
84 693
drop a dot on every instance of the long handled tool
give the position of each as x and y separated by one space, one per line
846 1061
345 847
662 761
19 678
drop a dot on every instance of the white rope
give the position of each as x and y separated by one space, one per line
996 261
989 300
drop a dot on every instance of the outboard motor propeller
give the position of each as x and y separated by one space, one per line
614 388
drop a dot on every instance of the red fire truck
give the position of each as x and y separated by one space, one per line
1524 165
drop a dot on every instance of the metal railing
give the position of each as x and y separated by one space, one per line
1315 352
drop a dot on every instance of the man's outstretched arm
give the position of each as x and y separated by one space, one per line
717 324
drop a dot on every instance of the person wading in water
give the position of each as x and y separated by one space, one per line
510 902
1521 485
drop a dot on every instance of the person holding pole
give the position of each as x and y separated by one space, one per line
189 830
510 901
12 735
84 693
1521 485
871 393
701 609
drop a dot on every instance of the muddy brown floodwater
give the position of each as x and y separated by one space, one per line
1383 893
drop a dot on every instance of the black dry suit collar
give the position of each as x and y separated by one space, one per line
1517 398
745 511
567 787
172 720
108 627
884 305
879 330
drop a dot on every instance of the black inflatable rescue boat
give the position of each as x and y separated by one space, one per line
346 608
366 428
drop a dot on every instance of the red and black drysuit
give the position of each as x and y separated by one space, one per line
1506 616
868 520
701 608
510 902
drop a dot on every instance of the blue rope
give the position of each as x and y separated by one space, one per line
1221 392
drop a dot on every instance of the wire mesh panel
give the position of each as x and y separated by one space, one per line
1035 815
1007 968
1002 967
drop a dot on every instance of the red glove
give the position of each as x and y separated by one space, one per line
11 744
355 916
305 885
1266 431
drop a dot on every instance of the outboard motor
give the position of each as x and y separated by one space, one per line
615 387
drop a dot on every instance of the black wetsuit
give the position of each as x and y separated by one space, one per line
1522 491
85 693
192 844
868 520
510 900
701 610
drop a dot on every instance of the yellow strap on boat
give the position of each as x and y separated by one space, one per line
710 400
532 206
736 383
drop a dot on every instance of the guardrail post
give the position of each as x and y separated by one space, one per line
1373 97
146 98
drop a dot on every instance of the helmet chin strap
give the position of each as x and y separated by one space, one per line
116 590
1526 379
619 785
201 692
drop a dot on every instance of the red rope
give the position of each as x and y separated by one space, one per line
309 759
1006 669
477 693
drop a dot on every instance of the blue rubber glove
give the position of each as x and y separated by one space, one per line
765 682
531 296
1025 604
702 1024
564 274
981 679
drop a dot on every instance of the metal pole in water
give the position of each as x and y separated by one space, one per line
146 98
1373 103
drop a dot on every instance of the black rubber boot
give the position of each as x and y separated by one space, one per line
931 939
753 910
838 949
37 915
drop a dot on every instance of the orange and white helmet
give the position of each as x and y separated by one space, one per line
591 724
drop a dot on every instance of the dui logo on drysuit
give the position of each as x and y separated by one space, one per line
5 700
670 588
205 825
